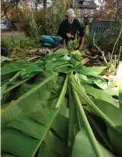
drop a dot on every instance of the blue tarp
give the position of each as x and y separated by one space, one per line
50 40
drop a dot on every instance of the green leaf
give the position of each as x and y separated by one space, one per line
108 86
31 130
101 83
32 127
55 64
62 63
112 91
3 88
106 152
30 71
120 98
85 98
55 144
119 83
22 105
64 109
44 151
87 125
83 147
62 129
9 70
13 66
98 94
115 136
93 71
72 117
61 51
11 87
17 143
111 111
24 88
64 90
99 129
13 79
28 126
7 155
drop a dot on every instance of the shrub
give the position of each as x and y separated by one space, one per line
109 39
105 41
22 43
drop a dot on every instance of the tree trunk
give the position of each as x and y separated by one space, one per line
45 4
36 5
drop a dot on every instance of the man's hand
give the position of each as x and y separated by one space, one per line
69 35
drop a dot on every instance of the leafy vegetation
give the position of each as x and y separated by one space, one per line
59 108
110 49
16 46
108 39
111 34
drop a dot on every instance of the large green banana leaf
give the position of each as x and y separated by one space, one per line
27 133
41 117
22 105
55 143
7 155
111 111
99 129
96 148
11 87
115 136
10 69
91 71
111 114
62 129
86 138
72 118
98 94
83 147
28 128
85 98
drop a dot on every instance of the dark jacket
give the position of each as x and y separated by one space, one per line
73 28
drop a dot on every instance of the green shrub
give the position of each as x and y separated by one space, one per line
105 41
22 43
109 38
54 16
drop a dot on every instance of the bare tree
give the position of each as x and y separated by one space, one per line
45 4
6 5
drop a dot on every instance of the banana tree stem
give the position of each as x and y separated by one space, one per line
87 126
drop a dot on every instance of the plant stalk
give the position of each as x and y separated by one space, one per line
63 92
116 44
83 95
87 126
102 52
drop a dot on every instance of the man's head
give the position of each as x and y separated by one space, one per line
70 15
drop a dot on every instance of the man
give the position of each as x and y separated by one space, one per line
70 27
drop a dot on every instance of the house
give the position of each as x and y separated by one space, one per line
118 3
84 7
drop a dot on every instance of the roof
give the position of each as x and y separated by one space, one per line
88 4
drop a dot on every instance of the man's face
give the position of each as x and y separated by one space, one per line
70 19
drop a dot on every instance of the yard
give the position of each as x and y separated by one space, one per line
60 101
